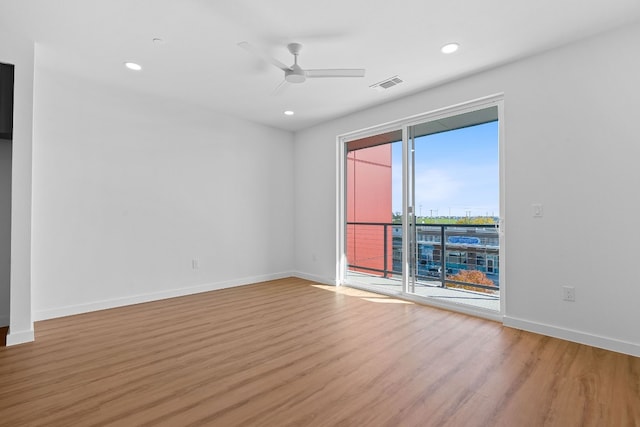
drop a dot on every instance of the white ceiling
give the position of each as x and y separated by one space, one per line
200 62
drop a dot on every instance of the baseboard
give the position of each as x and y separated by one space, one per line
4 320
154 296
612 344
15 338
314 278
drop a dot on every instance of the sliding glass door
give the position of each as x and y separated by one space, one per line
422 209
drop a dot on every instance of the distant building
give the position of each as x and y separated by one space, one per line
467 248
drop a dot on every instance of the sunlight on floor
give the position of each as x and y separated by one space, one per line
364 295
387 300
427 290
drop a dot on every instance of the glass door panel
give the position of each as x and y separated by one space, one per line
455 196
374 211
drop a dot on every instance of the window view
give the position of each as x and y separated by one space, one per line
451 238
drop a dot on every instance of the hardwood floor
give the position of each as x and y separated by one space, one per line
294 353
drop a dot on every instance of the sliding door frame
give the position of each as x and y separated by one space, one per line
405 125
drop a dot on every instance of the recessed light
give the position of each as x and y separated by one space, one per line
133 66
289 113
449 48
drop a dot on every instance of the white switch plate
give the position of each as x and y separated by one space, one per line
569 293
537 210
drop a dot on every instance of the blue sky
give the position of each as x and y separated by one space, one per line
456 172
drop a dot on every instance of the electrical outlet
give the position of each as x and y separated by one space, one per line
569 293
537 210
195 264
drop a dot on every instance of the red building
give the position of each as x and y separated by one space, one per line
369 182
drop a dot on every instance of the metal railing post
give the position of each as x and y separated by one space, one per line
385 251
443 263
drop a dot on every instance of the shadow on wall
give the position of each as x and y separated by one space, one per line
6 135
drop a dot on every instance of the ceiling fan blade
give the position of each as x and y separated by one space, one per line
264 56
279 90
338 72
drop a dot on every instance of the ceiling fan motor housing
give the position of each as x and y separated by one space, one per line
295 74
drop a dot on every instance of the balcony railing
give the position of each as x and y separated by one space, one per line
440 252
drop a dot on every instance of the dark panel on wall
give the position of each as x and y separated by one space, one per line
6 101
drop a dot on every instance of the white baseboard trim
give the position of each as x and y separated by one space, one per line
4 320
21 337
606 343
314 278
154 296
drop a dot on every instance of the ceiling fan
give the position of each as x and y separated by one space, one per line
295 73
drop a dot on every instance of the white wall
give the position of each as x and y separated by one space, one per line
17 50
5 230
571 144
129 189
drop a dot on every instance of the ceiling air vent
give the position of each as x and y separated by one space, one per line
387 83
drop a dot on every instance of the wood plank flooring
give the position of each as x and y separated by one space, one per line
294 353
